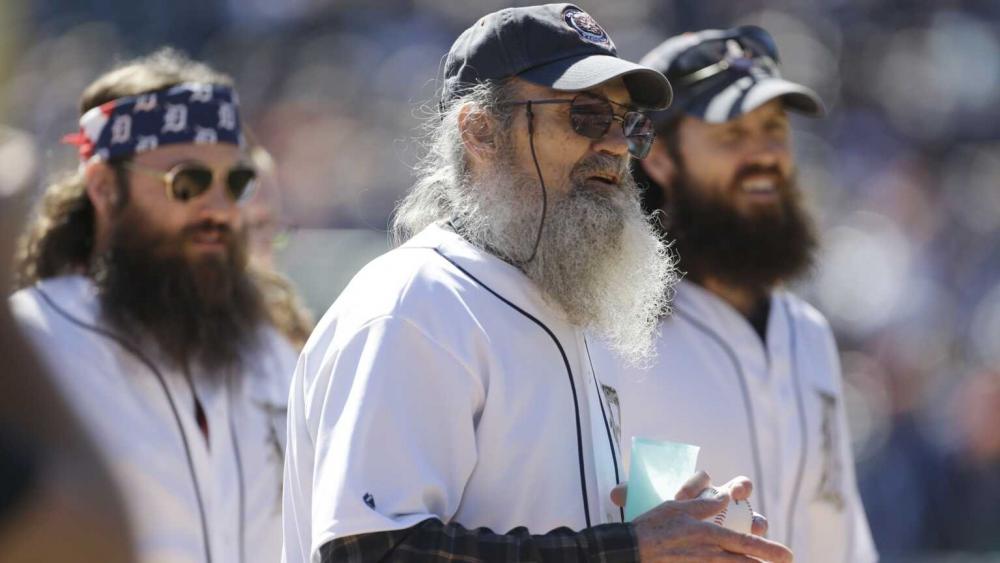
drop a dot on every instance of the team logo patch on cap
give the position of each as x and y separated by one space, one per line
587 27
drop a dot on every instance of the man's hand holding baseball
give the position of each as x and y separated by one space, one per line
677 530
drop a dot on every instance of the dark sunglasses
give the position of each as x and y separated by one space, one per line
591 117
189 180
713 56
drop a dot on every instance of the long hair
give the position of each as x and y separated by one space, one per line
444 167
60 238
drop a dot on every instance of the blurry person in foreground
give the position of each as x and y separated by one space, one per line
444 408
135 292
57 500
744 369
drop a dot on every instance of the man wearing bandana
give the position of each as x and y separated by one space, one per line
745 369
135 290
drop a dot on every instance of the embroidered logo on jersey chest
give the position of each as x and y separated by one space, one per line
615 414
831 481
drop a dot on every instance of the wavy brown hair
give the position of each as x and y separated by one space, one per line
60 238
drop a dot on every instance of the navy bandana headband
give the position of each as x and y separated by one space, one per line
185 113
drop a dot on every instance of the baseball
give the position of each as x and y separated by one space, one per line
736 516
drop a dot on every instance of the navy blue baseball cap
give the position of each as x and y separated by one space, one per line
554 45
718 75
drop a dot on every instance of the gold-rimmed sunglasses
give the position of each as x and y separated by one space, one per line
188 180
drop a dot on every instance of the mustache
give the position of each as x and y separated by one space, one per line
208 226
600 164
758 169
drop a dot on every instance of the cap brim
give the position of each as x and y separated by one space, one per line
648 88
796 97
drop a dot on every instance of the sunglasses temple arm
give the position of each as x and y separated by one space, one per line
541 183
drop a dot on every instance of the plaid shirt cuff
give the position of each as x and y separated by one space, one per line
432 540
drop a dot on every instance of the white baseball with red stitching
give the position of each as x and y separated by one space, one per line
736 516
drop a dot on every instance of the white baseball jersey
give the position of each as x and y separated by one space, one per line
774 413
129 412
441 384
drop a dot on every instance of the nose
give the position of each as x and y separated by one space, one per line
216 204
768 152
613 142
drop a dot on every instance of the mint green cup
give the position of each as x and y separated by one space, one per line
657 471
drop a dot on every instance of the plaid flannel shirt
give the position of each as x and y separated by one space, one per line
432 540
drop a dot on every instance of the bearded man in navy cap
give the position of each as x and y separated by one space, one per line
445 407
745 369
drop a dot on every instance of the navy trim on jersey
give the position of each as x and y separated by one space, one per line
569 372
793 346
607 428
242 484
747 404
132 349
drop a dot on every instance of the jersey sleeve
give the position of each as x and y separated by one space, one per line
395 442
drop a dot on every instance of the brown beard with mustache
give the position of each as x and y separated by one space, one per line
203 310
715 240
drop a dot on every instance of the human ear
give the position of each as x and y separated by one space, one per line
478 130
102 189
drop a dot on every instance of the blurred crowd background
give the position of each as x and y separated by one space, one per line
904 176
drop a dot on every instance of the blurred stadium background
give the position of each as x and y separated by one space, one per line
903 174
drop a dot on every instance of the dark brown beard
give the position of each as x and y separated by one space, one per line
205 311
714 240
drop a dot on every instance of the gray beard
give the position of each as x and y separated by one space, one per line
599 258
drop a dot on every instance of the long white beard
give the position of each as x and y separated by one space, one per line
599 258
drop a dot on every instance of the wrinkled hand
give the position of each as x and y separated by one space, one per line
739 488
675 531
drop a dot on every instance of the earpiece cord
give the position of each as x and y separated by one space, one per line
541 182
